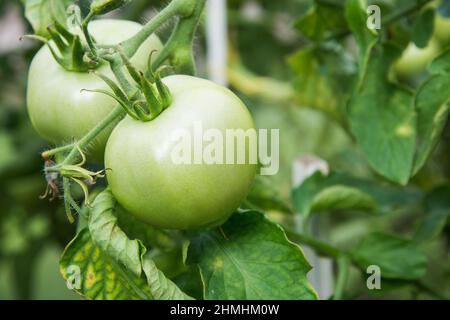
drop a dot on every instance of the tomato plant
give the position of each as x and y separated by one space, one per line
353 98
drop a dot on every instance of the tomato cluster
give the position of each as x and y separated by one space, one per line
141 173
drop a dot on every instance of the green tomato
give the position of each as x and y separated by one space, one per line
159 191
442 30
58 108
414 60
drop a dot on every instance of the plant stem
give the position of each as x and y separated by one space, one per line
87 35
176 7
343 264
179 45
83 142
52 152
320 247
116 68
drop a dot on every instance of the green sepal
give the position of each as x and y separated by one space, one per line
163 90
151 95
134 73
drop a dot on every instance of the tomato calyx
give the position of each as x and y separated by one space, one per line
74 172
66 47
149 96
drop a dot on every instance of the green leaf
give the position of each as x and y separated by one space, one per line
320 192
110 238
383 120
323 78
398 258
423 28
148 235
341 197
109 251
431 103
322 21
249 257
101 276
366 38
40 14
440 64
437 211
191 282
303 195
161 287
265 197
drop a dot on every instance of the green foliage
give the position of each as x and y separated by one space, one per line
322 20
437 206
341 192
397 258
423 28
383 120
111 264
101 277
249 257
365 38
41 14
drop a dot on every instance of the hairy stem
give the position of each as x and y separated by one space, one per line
54 151
87 35
83 142
179 45
176 7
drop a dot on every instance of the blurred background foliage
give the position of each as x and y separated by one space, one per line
270 72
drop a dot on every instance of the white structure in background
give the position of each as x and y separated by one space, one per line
321 276
11 29
217 40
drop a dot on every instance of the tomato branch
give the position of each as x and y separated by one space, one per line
83 142
179 46
183 8
343 265
180 41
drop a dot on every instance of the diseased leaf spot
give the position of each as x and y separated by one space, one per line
90 280
404 130
218 263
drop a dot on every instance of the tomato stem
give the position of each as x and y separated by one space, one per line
343 265
83 142
179 46
87 35
52 152
174 8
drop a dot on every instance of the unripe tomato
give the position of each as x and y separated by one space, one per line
442 30
414 59
147 182
59 110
